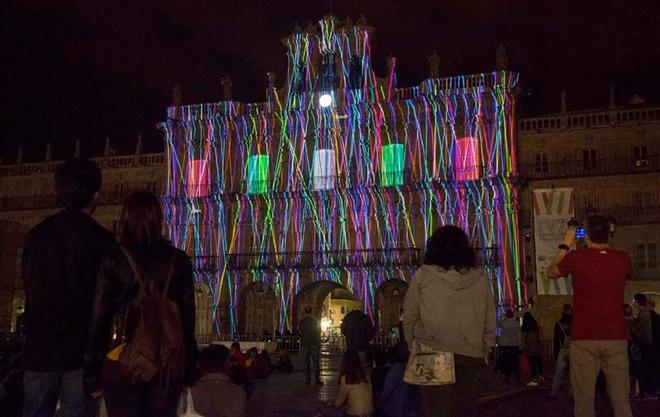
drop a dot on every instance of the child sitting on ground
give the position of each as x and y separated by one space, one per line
284 364
354 391
215 395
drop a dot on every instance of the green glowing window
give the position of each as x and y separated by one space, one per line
257 174
392 165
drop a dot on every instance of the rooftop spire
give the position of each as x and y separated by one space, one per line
49 153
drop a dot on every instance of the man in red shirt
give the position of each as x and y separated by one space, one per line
599 336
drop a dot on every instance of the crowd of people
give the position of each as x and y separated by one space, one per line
114 319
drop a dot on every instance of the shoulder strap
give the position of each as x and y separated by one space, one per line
137 271
170 273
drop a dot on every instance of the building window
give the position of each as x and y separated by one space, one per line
198 178
323 172
589 159
541 162
641 156
466 159
392 165
257 174
646 261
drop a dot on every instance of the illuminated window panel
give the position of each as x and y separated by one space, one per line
257 174
323 171
198 178
392 165
466 159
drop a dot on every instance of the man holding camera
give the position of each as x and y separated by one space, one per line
599 335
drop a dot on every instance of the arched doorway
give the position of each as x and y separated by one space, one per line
329 301
203 306
389 304
258 310
17 310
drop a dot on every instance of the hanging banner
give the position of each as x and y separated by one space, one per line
553 208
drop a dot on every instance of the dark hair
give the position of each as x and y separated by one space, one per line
141 220
509 314
449 247
76 183
236 345
308 310
529 323
352 369
214 357
640 299
598 229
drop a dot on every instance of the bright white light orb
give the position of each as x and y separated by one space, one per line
325 100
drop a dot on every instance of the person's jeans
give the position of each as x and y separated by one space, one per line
455 400
560 367
588 358
43 389
535 366
311 356
124 398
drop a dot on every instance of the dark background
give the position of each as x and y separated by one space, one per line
89 69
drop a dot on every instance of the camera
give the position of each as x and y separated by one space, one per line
580 233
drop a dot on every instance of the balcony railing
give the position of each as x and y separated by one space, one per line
122 161
325 259
621 215
579 168
309 260
624 215
643 272
588 119
106 197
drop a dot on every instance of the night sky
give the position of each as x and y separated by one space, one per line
89 69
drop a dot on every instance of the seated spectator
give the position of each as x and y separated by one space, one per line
11 387
215 395
354 391
251 364
237 373
238 354
284 364
399 399
379 372
264 366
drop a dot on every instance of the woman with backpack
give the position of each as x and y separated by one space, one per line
141 349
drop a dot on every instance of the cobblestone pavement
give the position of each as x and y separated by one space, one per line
287 395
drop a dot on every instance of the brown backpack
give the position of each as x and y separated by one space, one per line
156 347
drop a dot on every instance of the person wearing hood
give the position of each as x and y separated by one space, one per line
450 307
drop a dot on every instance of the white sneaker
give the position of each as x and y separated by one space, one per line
532 384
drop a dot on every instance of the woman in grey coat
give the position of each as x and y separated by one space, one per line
450 307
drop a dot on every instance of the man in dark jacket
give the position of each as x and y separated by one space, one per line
61 256
310 341
358 330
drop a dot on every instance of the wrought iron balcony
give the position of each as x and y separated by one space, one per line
579 168
310 260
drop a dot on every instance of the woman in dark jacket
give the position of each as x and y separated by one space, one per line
115 308
530 343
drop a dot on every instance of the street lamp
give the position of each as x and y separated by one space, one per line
325 100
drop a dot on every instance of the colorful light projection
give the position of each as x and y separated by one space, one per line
346 189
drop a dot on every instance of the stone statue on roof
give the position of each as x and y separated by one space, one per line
434 64
225 86
390 61
310 28
501 58
177 95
